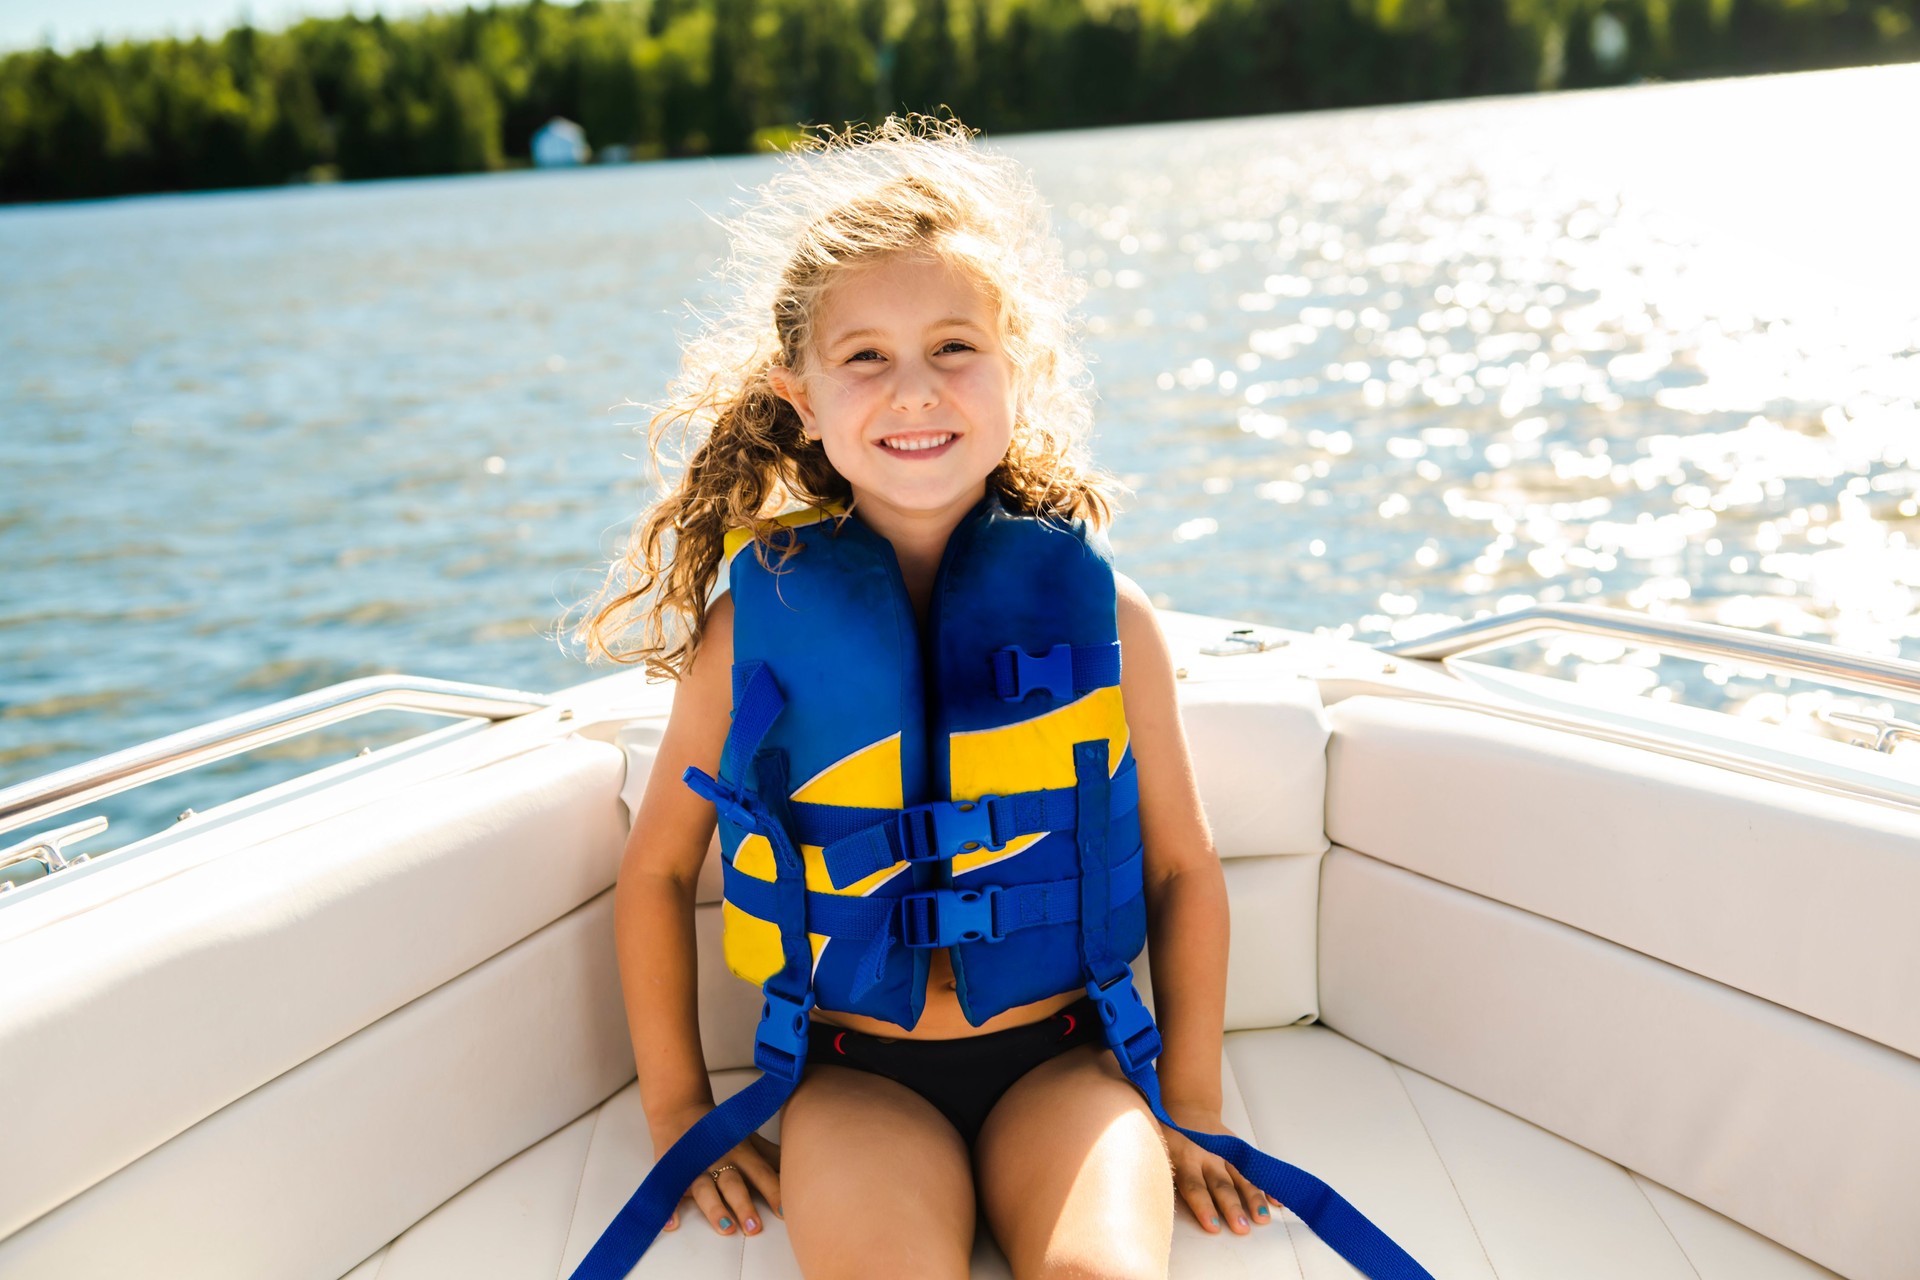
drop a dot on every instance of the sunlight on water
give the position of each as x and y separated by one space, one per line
1371 372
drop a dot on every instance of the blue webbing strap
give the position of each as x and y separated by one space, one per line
1013 907
856 842
780 1042
1135 1043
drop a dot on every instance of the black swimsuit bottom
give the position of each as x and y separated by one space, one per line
964 1076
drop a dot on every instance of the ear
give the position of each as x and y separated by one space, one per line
792 388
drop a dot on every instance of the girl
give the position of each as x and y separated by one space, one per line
901 364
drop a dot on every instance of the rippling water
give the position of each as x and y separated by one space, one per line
1372 371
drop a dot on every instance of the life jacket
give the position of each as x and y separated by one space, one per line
886 789
933 779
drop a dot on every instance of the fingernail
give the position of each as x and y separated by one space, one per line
1243 1222
1214 1221
726 1224
1263 1211
777 1213
753 1224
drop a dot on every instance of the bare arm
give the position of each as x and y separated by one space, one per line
653 899
1186 892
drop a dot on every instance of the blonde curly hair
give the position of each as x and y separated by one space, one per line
912 183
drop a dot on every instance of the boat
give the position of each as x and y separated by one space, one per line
1552 982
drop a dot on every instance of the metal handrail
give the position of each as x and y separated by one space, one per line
1708 641
108 775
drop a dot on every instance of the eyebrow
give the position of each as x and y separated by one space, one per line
942 323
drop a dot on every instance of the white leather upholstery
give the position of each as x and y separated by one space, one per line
1472 1191
160 1007
1798 897
1806 1132
423 1067
316 1168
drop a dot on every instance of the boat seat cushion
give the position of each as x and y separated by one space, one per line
1471 1191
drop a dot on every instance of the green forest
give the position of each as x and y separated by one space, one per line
451 92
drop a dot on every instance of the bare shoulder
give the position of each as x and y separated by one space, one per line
1139 625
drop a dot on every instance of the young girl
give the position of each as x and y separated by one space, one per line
900 366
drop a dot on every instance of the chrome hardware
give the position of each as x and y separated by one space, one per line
1242 640
47 851
65 789
1707 641
1886 730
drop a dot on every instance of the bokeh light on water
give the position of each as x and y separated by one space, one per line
1371 371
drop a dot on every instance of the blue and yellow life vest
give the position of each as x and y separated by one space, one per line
932 779
886 789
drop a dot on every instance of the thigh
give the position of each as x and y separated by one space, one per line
1074 1175
873 1180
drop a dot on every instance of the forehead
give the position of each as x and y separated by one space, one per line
901 293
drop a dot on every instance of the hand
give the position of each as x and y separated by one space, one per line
728 1202
1214 1191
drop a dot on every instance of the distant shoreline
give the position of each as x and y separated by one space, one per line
468 91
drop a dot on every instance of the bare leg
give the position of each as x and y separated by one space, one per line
1074 1176
874 1181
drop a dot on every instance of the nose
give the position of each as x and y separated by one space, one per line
916 387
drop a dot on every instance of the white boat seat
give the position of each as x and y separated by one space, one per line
1470 1190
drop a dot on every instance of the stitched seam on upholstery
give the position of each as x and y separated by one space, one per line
1253 1138
573 1210
1471 1224
1668 1226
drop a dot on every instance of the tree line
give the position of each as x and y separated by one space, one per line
454 92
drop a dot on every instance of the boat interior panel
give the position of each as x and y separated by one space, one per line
1545 1005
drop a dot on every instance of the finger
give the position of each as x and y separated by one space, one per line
739 1198
764 1178
712 1207
1190 1188
1226 1198
1253 1197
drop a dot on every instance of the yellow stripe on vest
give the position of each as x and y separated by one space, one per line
867 778
1032 755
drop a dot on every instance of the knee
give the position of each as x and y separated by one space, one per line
1111 1261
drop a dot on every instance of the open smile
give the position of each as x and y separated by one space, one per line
918 444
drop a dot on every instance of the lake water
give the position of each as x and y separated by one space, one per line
1372 371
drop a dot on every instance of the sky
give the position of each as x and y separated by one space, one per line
73 24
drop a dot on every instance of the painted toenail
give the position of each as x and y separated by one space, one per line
726 1224
753 1224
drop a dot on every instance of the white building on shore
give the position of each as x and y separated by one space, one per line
558 143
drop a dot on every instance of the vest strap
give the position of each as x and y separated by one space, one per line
936 917
780 1048
1343 1228
1063 671
857 842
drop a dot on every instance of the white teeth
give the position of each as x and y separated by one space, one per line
910 446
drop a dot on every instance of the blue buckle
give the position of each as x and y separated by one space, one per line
1051 671
931 832
780 1041
728 800
943 917
1131 1035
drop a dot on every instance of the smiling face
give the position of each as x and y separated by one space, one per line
908 388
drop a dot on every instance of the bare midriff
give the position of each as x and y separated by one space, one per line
942 1018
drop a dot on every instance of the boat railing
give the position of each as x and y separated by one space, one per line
1707 641
29 802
